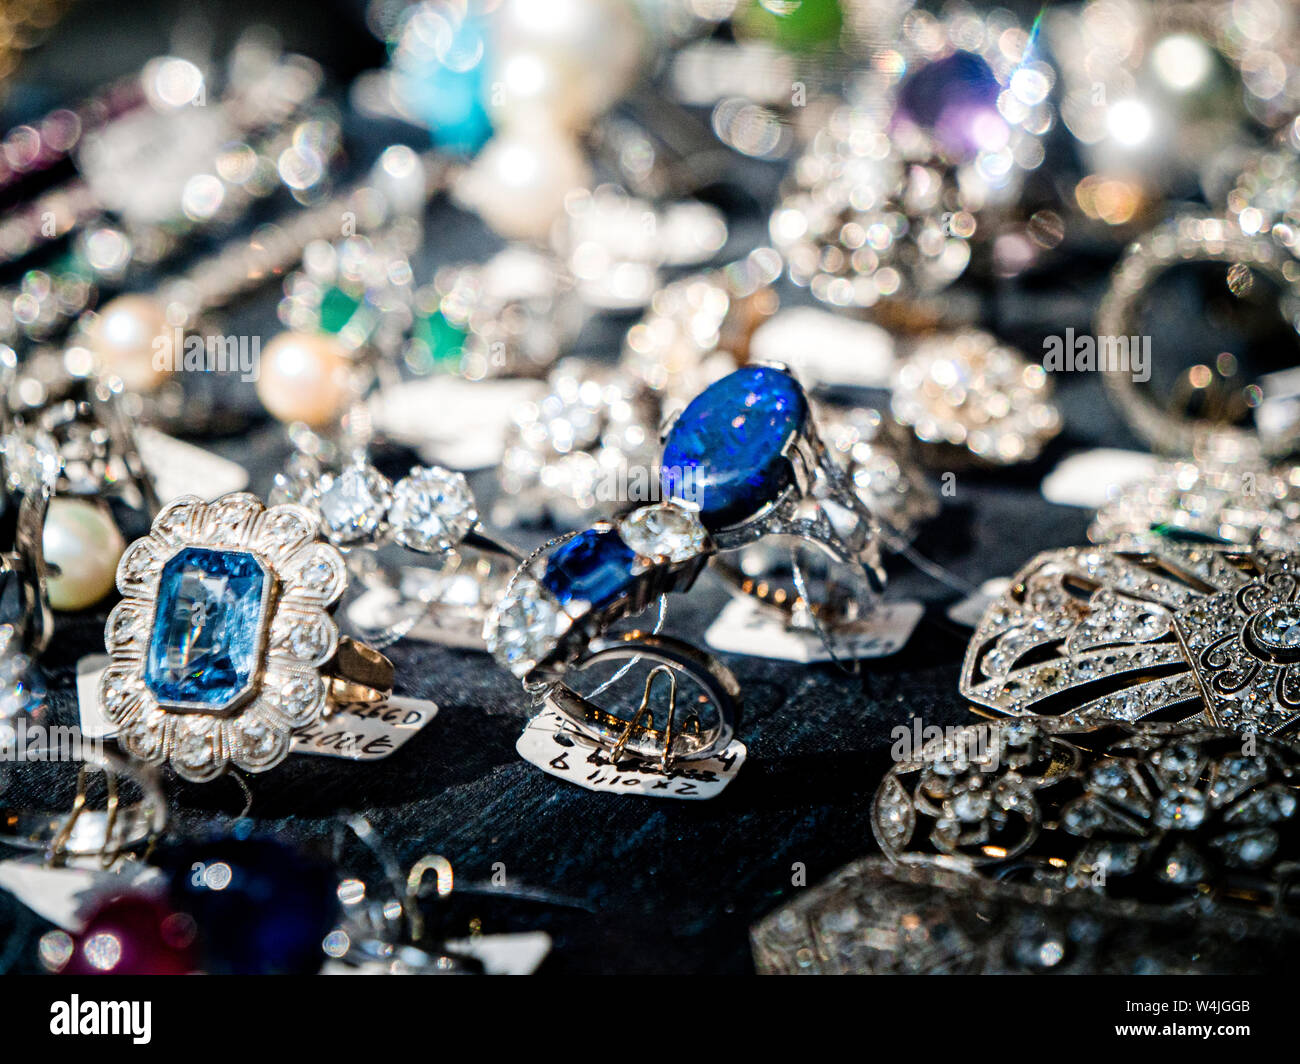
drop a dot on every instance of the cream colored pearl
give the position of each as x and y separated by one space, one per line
530 86
601 43
519 181
305 377
83 542
132 339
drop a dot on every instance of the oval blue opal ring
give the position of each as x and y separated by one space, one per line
746 458
555 617
223 644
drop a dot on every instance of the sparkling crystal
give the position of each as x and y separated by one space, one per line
353 504
432 509
1184 810
663 531
524 626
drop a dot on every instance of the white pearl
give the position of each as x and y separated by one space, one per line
132 339
306 377
83 541
603 42
529 86
519 181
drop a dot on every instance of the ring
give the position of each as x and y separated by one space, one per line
554 619
1191 238
973 397
430 511
83 831
1139 809
223 644
746 457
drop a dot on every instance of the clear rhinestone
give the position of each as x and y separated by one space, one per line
524 626
663 531
433 509
1181 809
193 749
353 504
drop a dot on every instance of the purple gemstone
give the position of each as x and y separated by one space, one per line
955 99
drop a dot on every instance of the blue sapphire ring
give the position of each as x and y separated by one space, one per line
223 644
555 619
746 457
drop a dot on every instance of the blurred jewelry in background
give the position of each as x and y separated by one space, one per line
1158 93
927 917
1238 503
966 391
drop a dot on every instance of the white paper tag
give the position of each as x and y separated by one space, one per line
825 348
67 895
367 734
553 744
746 626
451 421
1092 478
379 608
352 734
516 954
180 468
970 609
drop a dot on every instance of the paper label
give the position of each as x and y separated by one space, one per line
67 895
970 609
825 348
180 468
352 734
746 626
380 608
1092 478
451 421
516 954
555 746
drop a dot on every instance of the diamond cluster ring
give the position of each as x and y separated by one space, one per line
223 644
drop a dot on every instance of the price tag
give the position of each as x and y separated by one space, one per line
1092 478
451 421
67 895
970 609
553 744
746 626
352 734
825 348
180 468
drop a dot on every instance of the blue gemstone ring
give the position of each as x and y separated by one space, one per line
554 621
223 644
746 458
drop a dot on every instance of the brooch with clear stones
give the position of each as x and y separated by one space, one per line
1148 628
223 644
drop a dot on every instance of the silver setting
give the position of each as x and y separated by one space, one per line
1143 810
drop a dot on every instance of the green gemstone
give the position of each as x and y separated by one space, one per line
336 309
796 25
445 342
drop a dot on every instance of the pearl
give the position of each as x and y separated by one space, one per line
83 541
519 181
132 339
530 86
306 377
602 42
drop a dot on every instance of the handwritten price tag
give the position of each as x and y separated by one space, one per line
746 626
552 744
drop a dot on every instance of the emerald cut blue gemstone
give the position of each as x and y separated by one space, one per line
725 454
206 642
594 566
